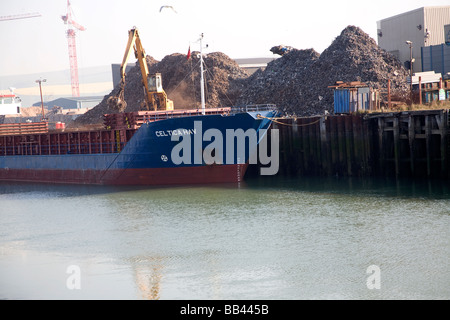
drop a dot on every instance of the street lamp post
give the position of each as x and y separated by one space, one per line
42 102
409 43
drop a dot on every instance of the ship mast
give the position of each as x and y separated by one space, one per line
202 81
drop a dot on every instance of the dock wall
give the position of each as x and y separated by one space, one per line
408 144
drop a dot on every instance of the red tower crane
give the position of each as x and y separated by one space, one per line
71 26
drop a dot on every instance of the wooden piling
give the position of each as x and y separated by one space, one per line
333 143
396 135
325 146
411 135
320 151
305 143
348 143
368 146
413 143
428 143
381 148
340 128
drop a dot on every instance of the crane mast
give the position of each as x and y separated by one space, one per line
20 16
71 37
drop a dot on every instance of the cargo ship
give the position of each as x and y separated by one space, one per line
133 149
158 145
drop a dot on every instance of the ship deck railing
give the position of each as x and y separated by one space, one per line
8 129
133 120
34 149
63 143
254 108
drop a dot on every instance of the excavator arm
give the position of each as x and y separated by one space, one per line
155 96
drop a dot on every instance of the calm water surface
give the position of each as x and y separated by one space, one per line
277 238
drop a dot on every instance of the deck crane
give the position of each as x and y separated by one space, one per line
155 96
71 26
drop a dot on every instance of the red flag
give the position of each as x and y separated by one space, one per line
189 53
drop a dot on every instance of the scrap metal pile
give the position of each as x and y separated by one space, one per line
181 81
297 82
284 82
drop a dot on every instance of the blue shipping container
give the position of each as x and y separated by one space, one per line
342 101
352 100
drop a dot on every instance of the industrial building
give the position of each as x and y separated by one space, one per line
424 28
73 104
253 64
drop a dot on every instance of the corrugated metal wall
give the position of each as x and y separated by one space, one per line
342 101
351 100
434 19
436 58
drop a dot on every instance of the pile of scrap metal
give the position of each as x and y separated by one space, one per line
181 79
298 82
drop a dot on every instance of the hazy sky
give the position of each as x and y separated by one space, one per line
238 28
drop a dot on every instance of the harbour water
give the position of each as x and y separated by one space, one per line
272 238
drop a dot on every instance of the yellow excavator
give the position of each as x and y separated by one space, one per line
155 96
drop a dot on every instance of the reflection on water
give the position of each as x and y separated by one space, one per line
271 238
148 274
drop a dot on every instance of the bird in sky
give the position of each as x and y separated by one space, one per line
169 7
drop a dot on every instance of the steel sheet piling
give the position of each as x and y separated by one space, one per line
414 143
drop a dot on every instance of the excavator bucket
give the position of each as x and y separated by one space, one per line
117 102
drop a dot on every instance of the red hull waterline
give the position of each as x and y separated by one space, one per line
155 176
